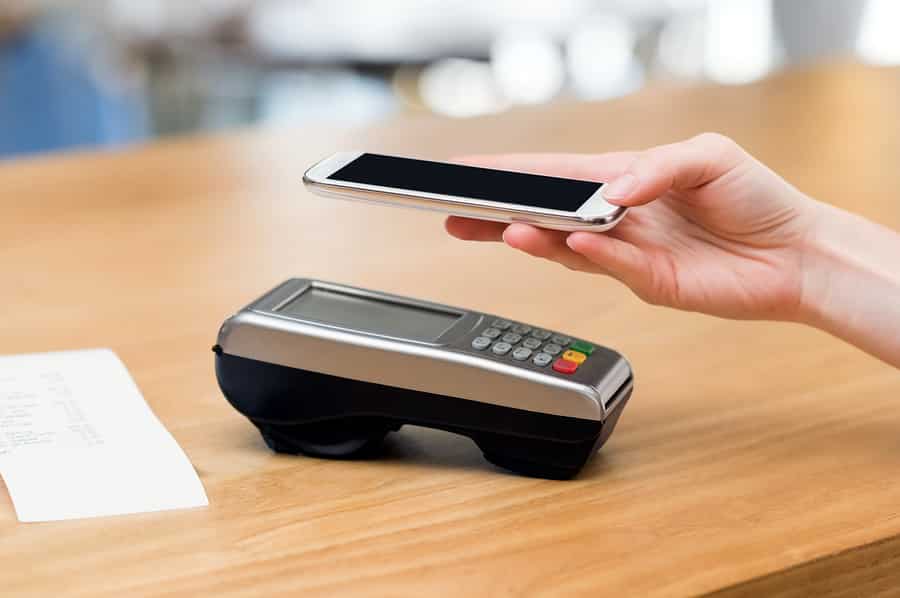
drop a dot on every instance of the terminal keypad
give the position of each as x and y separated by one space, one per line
525 344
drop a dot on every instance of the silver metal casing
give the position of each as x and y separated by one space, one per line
448 366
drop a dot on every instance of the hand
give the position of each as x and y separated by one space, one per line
711 229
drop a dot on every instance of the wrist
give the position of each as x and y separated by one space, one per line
850 284
820 265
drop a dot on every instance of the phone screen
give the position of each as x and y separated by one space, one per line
499 186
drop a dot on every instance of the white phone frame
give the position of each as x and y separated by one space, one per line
594 215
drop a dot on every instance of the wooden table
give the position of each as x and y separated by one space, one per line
754 459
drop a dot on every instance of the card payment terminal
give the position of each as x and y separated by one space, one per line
328 370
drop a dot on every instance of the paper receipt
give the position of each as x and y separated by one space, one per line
78 440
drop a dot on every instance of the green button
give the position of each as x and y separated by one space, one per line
582 347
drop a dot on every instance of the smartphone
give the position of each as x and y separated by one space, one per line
469 191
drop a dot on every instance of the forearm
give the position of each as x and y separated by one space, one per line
851 282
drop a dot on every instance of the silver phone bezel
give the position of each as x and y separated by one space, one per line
595 214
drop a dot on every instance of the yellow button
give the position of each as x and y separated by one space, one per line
574 356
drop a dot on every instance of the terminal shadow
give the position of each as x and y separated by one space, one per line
421 447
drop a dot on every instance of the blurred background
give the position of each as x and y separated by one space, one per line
108 72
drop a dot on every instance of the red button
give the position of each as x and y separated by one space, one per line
564 366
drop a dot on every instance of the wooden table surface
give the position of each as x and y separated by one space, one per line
754 458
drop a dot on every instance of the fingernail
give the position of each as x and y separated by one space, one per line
621 187
575 238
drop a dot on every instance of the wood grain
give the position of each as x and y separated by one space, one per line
750 450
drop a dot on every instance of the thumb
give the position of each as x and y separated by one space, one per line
681 166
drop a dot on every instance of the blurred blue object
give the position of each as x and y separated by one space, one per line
50 99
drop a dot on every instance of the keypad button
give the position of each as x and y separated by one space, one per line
582 347
521 329
490 332
501 348
564 366
511 338
501 324
481 343
575 356
542 359
531 343
561 339
552 348
521 354
540 334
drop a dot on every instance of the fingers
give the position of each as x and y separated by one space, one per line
535 241
620 259
678 166
469 229
547 244
590 167
588 252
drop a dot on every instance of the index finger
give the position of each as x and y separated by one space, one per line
470 229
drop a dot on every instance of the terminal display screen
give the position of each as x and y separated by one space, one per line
372 315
